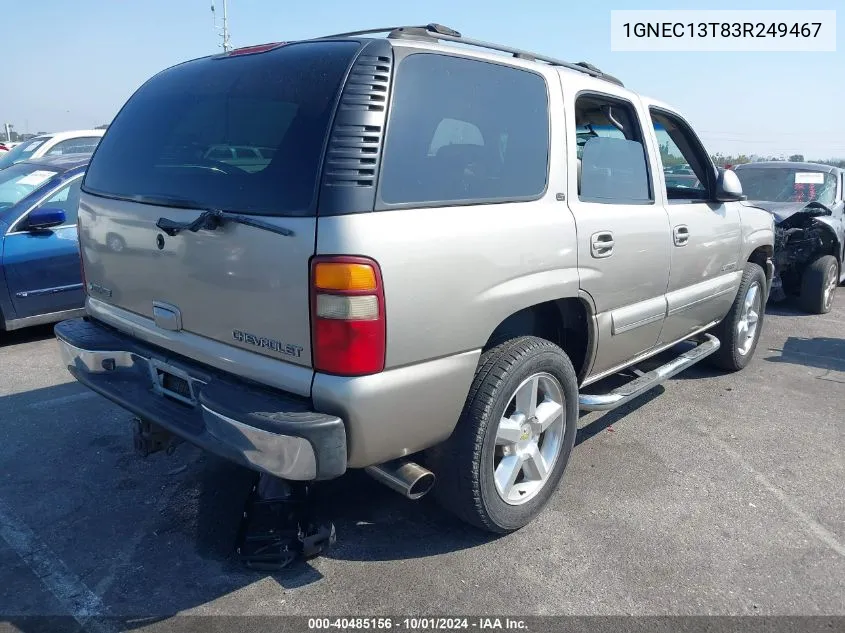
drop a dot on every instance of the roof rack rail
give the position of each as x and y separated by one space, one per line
425 29
444 33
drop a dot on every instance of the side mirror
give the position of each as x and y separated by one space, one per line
45 218
728 186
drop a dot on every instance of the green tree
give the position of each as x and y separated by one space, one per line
668 158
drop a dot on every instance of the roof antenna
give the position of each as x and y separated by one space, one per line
225 30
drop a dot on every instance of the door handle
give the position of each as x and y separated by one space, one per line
680 235
601 244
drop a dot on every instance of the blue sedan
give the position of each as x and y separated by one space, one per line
40 273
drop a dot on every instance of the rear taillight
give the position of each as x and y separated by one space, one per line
348 321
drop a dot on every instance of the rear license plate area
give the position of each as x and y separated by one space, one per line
173 383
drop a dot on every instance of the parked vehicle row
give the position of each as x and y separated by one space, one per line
56 144
40 278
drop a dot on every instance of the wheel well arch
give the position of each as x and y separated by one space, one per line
833 245
565 322
760 256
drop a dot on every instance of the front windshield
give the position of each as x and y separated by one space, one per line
18 181
22 151
787 184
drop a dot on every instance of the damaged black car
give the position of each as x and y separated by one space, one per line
808 204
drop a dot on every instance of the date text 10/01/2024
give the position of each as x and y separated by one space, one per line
416 623
720 29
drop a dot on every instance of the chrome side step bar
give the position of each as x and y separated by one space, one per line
707 345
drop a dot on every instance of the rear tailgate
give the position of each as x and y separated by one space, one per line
177 149
240 285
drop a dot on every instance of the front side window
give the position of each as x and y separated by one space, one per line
219 153
685 170
66 199
463 131
612 159
245 152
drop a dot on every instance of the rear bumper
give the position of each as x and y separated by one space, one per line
262 429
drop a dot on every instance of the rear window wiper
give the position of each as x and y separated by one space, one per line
209 219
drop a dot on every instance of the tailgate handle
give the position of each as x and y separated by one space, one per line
211 219
167 316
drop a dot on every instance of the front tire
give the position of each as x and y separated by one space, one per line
740 330
818 285
514 437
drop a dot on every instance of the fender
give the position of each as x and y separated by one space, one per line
758 230
828 224
592 334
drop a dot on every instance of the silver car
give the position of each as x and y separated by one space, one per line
448 251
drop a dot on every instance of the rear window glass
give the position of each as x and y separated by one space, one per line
80 145
242 133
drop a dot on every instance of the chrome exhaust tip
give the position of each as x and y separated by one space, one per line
407 478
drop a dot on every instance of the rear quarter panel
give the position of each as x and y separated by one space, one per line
451 275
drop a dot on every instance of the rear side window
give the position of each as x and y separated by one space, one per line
176 138
612 161
463 131
82 144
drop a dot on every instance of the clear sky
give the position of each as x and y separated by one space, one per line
72 63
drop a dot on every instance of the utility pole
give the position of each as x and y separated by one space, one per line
225 30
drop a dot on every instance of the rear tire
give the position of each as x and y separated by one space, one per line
506 457
740 330
818 285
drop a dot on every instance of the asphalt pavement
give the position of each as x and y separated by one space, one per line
713 494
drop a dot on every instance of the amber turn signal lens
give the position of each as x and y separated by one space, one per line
344 276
